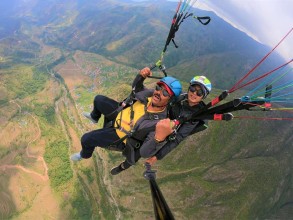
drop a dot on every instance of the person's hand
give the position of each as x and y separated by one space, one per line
145 72
152 160
163 129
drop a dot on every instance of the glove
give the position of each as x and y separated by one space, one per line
145 72
152 160
163 129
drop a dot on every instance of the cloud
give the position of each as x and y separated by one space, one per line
267 21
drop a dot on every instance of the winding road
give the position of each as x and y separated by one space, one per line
44 176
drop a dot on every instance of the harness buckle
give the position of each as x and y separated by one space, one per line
137 145
156 117
172 136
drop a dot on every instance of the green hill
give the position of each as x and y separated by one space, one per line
134 34
56 56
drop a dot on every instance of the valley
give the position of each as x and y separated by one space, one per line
241 169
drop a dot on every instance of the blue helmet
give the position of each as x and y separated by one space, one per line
173 84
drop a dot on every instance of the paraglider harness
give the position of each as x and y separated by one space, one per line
182 12
138 132
135 138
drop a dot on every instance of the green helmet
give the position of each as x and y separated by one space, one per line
203 82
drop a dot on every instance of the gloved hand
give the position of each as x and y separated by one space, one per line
145 72
163 129
152 160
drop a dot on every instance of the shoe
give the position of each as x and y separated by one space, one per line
116 170
76 157
88 116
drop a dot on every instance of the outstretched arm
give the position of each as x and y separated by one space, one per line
184 131
166 147
157 139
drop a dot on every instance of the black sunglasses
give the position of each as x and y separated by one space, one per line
199 92
164 91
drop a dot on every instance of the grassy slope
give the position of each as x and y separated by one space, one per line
238 169
36 93
241 173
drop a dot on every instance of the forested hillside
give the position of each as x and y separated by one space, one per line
55 56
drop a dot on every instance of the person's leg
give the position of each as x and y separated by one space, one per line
97 138
124 165
103 105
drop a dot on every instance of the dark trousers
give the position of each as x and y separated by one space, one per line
103 105
102 137
125 164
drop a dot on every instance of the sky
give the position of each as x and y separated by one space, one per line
267 21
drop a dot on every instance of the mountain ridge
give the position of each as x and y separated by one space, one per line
236 169
135 35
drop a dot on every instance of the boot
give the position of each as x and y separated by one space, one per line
76 157
117 170
88 116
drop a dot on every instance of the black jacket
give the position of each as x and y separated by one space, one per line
178 110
